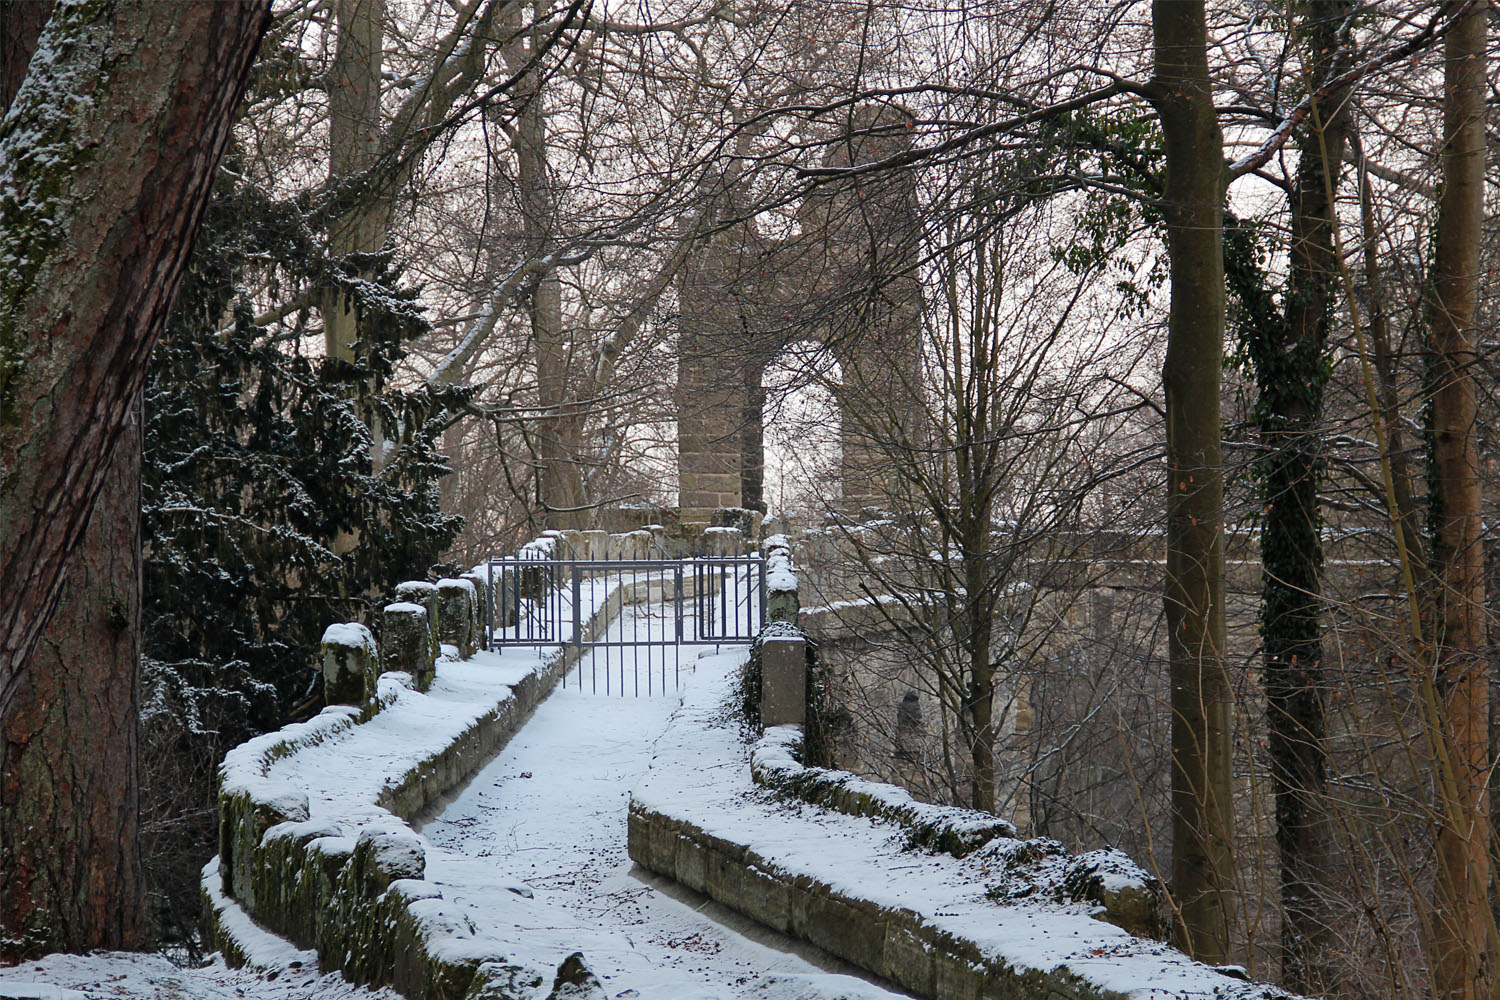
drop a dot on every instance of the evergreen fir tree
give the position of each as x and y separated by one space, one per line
266 514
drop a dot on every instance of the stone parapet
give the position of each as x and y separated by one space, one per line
350 885
1012 920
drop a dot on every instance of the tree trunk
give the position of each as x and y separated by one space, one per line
354 141
1291 374
89 282
21 21
1461 922
1193 199
68 775
558 431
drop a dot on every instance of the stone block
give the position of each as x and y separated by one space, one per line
806 896
455 604
781 606
747 521
692 537
407 642
481 603
594 542
576 981
418 592
853 929
724 877
661 845
958 969
783 688
723 542
572 543
691 863
908 960
350 664
766 898
503 981
423 593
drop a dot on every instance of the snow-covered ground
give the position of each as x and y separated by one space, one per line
113 975
533 850
535 846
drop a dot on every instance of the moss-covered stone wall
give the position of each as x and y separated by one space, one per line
360 901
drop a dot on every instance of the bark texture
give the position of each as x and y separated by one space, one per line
1192 204
559 430
106 159
1462 922
1291 370
354 141
68 778
21 23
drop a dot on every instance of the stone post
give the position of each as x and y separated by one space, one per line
350 664
455 603
406 642
783 680
725 542
423 593
782 602
481 604
594 541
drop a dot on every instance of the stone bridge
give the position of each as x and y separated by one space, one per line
320 841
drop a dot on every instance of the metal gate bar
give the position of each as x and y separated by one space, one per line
535 598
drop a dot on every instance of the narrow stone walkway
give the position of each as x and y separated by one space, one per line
535 847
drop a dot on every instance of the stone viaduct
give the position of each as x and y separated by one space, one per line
845 279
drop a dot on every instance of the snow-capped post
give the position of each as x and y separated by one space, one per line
350 660
782 603
423 593
482 599
406 642
455 604
725 542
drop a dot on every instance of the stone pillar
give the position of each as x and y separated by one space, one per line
423 593
865 234
455 604
783 680
782 602
481 605
350 664
708 434
406 642
715 295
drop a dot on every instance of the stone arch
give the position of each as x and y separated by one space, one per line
847 280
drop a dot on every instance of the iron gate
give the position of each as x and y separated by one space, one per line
651 609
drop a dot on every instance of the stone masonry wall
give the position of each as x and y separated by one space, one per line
361 901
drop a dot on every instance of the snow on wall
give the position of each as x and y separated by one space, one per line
314 836
934 924
774 764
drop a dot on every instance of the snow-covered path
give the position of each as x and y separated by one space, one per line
535 846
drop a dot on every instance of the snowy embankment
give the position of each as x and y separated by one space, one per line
315 841
938 925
